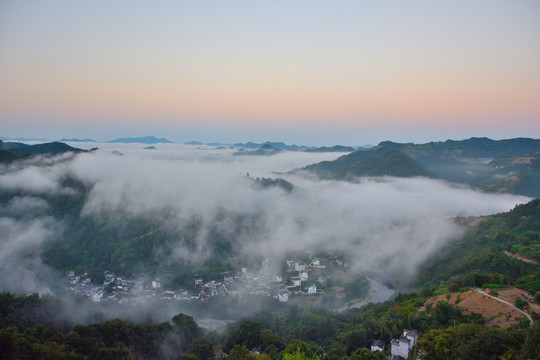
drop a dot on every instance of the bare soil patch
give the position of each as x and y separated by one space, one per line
496 313
523 160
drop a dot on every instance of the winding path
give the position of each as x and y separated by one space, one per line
530 261
505 302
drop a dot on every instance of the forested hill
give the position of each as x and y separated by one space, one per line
7 157
511 166
53 148
379 161
470 148
487 254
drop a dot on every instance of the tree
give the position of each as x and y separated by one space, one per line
239 352
365 354
202 349
436 345
189 357
354 340
248 334
187 326
531 347
297 350
520 303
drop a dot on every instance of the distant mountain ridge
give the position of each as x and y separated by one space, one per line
265 150
335 148
381 161
511 165
14 150
77 140
275 145
142 140
284 147
22 139
471 148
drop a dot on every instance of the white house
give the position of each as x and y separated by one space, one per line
283 297
412 335
401 347
156 284
404 345
279 278
296 281
303 275
378 345
299 266
316 262
312 289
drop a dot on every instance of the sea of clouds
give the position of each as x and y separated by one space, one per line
388 225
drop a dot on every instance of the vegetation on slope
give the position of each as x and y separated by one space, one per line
479 258
510 166
380 161
52 148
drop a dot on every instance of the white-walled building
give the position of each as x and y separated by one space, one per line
312 289
283 297
404 345
400 347
296 281
378 345
412 335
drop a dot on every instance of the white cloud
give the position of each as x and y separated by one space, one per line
383 224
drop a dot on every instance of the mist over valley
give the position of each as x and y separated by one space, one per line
137 212
109 231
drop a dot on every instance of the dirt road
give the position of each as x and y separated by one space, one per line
505 302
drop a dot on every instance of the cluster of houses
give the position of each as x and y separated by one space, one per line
82 285
260 282
298 274
401 348
118 288
263 282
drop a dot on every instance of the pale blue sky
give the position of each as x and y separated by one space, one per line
348 72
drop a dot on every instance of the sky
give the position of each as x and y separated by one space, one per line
313 73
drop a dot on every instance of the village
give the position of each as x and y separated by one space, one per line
294 278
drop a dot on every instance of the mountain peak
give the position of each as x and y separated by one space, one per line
142 140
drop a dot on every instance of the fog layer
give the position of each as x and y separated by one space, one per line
388 225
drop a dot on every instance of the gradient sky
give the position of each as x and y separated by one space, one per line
349 72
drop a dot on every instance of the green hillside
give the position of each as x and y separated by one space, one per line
522 176
7 157
380 161
510 166
52 148
335 148
479 258
470 148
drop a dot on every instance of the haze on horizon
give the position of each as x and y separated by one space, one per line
299 72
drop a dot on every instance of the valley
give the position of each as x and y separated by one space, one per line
376 242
